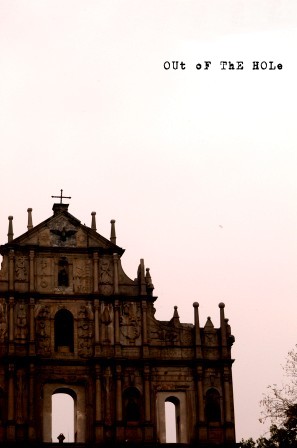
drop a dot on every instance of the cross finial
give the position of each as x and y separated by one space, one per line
61 197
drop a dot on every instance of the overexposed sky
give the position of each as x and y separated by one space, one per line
198 167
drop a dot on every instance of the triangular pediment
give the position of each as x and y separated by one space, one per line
64 230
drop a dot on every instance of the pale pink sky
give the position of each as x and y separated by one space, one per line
197 167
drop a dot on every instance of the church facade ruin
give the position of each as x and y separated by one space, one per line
72 321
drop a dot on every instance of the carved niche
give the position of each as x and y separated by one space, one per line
21 268
130 322
106 320
21 321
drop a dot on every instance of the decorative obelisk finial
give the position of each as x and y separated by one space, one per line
30 222
113 237
10 229
93 224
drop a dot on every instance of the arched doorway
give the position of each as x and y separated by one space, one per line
177 424
170 422
76 393
63 414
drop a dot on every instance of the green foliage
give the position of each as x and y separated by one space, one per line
279 438
280 407
280 401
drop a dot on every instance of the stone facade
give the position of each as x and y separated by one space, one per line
72 321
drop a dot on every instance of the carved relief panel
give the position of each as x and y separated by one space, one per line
62 233
21 268
107 318
82 273
44 266
130 323
210 339
162 334
43 329
81 238
4 269
3 320
106 275
21 321
85 325
44 237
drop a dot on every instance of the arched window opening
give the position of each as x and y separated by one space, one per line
212 406
63 272
63 331
63 415
172 420
131 404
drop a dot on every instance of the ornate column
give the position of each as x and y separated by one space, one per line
97 328
227 396
117 327
200 394
147 394
11 413
202 430
144 322
32 326
145 349
11 325
119 406
32 434
107 380
95 269
98 394
31 269
98 405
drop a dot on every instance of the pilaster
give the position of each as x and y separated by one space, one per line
11 326
95 270
145 350
11 411
32 327
32 432
119 405
31 264
98 406
116 273
117 328
201 424
11 270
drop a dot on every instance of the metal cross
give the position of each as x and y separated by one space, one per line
62 197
